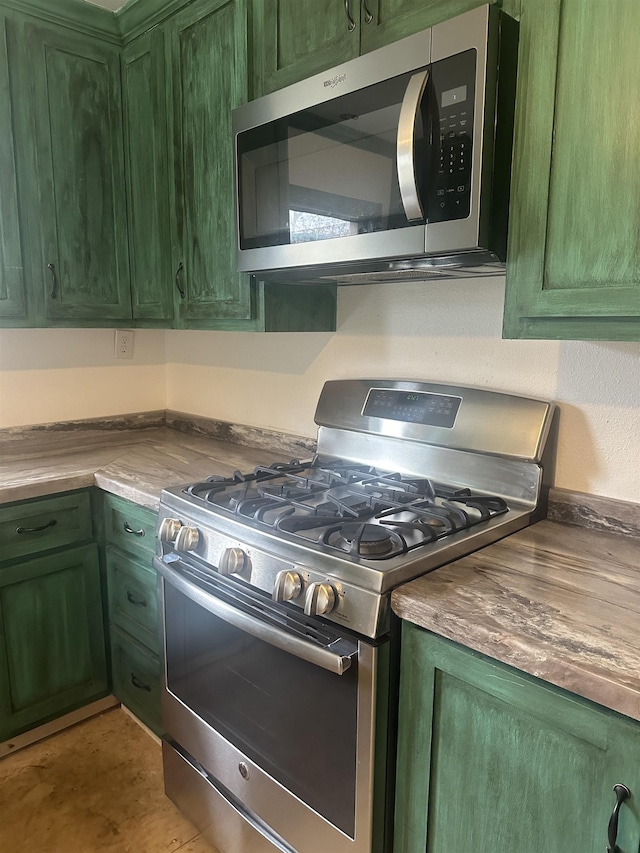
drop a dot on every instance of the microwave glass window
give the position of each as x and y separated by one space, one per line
326 172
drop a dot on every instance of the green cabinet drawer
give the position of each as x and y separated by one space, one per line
130 527
136 678
39 525
133 599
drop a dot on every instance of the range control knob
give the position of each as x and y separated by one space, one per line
320 598
234 561
187 539
169 529
288 586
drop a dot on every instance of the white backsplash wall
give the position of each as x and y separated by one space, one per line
449 331
49 375
444 332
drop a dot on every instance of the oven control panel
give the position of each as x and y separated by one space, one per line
286 581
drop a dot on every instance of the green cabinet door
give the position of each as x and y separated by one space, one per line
490 759
13 299
573 267
73 82
293 39
146 153
385 21
207 43
52 647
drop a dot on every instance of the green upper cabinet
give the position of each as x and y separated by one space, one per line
293 39
146 154
13 300
207 42
573 268
385 21
491 759
72 82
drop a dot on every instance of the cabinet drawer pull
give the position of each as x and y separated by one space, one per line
128 529
140 685
352 23
54 289
622 793
368 17
137 602
178 285
51 523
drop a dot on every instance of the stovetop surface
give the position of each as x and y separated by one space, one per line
358 511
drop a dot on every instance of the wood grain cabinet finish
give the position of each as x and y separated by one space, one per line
136 678
73 85
147 157
129 527
133 608
573 267
491 759
14 308
52 645
293 39
207 43
35 526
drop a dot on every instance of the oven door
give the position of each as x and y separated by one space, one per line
274 711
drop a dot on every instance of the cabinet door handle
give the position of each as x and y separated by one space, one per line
178 285
51 523
54 289
137 602
622 793
128 529
139 684
347 10
368 17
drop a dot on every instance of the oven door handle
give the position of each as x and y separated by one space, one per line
317 655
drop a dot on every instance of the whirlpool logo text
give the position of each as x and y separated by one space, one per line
332 82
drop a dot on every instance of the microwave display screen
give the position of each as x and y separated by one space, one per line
413 407
453 96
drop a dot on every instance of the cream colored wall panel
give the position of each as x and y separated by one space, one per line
443 332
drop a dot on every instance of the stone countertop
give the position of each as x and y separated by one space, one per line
561 603
134 463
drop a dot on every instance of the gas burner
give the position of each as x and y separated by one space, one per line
364 540
368 540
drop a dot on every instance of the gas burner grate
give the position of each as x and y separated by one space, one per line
341 506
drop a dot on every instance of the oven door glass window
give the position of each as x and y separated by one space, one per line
295 720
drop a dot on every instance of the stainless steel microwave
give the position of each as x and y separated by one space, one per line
394 165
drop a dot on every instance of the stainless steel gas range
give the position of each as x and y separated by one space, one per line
280 648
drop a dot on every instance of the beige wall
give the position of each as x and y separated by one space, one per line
443 331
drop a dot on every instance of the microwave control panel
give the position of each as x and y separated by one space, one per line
451 134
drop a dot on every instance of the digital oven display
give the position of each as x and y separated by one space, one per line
414 407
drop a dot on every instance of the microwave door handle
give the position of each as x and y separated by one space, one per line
406 144
304 649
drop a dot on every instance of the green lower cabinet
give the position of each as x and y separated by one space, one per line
134 623
492 759
52 646
136 678
133 598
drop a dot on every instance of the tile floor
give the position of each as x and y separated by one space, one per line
94 787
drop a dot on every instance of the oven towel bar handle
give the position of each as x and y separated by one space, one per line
317 655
